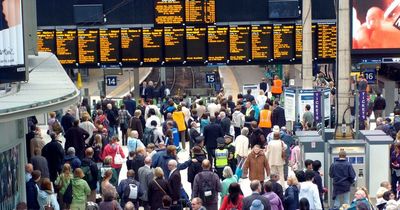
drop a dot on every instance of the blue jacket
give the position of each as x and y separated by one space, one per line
32 194
343 175
291 200
162 161
44 198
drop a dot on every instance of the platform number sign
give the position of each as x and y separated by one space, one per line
370 75
210 78
111 81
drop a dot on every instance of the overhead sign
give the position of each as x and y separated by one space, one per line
111 81
370 75
390 60
12 45
210 78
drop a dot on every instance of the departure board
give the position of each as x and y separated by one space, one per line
299 41
196 44
283 42
326 40
169 12
261 42
194 12
209 11
66 46
131 45
217 43
109 45
152 45
174 39
46 41
88 46
239 43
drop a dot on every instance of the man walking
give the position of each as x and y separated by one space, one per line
145 175
211 133
255 186
343 176
175 185
75 137
206 185
276 155
256 164
379 105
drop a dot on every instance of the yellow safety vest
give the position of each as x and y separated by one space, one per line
221 158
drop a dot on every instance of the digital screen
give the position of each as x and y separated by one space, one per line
46 41
239 43
66 43
194 12
209 11
283 42
174 44
376 24
261 42
196 44
131 45
88 46
88 13
327 40
109 45
283 9
217 43
169 12
152 45
299 41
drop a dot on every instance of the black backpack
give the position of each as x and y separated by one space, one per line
207 190
67 197
148 136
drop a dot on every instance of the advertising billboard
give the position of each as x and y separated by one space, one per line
375 24
11 42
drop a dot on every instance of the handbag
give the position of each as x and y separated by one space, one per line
48 205
118 160
158 185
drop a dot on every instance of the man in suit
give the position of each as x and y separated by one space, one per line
278 115
256 188
211 133
75 137
174 182
145 175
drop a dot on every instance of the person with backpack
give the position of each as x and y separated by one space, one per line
149 134
62 183
79 191
129 189
134 142
89 168
207 185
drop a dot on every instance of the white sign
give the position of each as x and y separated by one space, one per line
11 34
290 105
254 89
305 97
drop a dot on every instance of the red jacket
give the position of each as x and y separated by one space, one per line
227 205
111 150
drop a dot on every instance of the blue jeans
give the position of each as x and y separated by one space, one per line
345 197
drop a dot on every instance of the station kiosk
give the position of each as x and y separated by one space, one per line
313 148
378 161
355 150
364 133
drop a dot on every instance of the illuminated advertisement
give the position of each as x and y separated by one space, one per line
376 24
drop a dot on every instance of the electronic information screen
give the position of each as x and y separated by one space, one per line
169 12
88 46
261 42
209 11
299 41
194 12
217 43
239 43
66 46
46 41
152 45
283 42
131 45
196 39
326 40
174 39
109 45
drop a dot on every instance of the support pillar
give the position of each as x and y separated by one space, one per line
136 84
307 69
343 68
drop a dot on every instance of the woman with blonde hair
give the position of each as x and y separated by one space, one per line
80 190
62 183
261 99
291 199
157 189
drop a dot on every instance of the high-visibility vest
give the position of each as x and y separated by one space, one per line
276 87
221 158
265 119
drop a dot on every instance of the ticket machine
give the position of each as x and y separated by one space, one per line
355 150
313 148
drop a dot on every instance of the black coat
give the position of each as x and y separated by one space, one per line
136 124
31 195
75 137
93 170
149 92
67 121
278 117
135 164
211 133
155 194
175 185
195 168
28 137
54 153
342 174
226 125
249 199
130 105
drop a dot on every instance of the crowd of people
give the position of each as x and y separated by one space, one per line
226 140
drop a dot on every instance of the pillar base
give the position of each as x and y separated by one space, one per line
341 135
